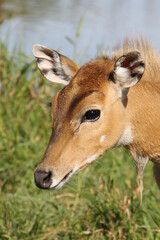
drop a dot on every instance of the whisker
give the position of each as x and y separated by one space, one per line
73 183
99 163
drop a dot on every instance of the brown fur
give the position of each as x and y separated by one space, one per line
146 115
73 144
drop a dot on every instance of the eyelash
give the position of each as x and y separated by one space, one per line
91 115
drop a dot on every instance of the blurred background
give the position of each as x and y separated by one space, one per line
102 201
51 22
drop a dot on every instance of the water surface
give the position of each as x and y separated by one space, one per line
106 23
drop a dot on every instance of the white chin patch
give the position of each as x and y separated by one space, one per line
58 184
91 158
54 183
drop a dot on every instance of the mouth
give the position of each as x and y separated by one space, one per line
67 177
83 166
64 179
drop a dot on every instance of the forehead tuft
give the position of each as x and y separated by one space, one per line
89 78
94 73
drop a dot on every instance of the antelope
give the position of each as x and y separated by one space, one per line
109 102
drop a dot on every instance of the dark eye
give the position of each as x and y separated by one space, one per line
91 116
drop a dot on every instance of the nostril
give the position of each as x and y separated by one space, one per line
43 179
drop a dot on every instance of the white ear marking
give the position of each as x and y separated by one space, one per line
39 51
128 70
49 63
56 79
122 74
45 64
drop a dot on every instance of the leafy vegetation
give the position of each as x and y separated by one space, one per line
101 202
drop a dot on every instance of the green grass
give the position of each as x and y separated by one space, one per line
101 202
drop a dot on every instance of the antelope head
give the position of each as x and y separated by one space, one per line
88 115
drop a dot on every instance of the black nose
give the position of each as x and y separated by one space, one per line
43 180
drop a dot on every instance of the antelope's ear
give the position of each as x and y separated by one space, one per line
128 70
54 66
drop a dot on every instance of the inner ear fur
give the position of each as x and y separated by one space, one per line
54 66
128 70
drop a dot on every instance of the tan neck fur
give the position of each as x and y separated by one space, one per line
144 115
